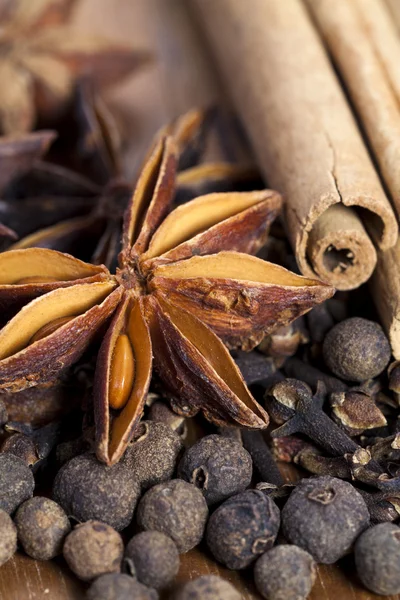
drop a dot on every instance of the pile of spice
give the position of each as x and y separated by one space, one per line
168 378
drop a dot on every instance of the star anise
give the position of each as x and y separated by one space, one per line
41 57
182 281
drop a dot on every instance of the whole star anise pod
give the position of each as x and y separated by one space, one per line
182 281
41 57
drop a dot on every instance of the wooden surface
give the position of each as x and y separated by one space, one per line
179 78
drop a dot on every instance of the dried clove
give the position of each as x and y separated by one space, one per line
153 453
324 515
115 586
87 489
42 526
313 462
383 506
208 587
22 446
176 508
377 557
261 455
285 573
242 528
160 412
16 482
298 369
3 414
232 433
356 349
355 411
93 549
218 466
303 414
8 537
255 367
286 448
319 322
284 341
152 557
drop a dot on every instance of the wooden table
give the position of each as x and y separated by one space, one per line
181 77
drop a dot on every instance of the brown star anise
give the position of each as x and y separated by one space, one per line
41 57
182 281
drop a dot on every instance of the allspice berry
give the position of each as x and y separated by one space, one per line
242 528
176 508
220 467
324 516
377 557
115 586
8 537
153 453
356 349
285 572
93 549
208 587
16 482
152 557
42 526
87 489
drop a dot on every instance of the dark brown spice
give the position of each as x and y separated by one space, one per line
176 508
356 349
8 538
42 526
356 411
262 458
324 516
303 414
16 482
218 466
377 556
152 557
208 587
87 489
153 453
298 369
115 586
285 573
242 528
93 549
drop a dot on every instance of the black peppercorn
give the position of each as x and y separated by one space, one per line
42 526
16 482
153 558
176 508
93 549
208 587
153 453
356 349
324 516
242 528
285 573
218 466
8 537
377 556
115 586
88 489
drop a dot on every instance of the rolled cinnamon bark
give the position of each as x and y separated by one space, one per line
365 47
304 135
385 288
394 8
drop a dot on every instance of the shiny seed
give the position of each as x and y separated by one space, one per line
36 279
49 328
122 372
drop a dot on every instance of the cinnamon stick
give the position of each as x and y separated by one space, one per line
365 47
303 133
385 288
394 8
